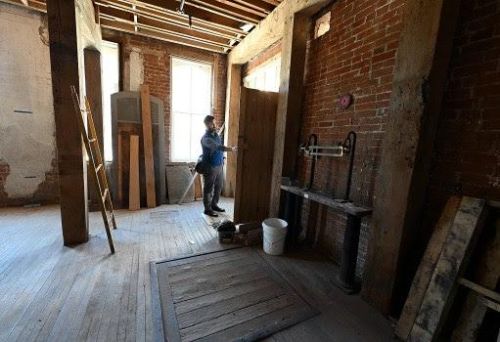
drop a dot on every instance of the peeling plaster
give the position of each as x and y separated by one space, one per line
27 142
136 69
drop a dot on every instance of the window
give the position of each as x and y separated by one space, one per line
191 102
322 25
266 76
110 84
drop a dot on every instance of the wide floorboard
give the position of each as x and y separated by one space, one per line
49 292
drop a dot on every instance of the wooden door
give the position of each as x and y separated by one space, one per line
255 155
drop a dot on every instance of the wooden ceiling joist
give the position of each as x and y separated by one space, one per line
150 8
259 6
165 18
38 6
242 5
141 27
116 26
213 25
223 12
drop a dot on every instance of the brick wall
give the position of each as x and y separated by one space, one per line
156 56
467 148
355 57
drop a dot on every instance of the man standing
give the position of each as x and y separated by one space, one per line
213 155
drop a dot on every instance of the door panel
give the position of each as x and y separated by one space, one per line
255 155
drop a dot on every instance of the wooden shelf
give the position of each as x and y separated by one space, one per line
334 203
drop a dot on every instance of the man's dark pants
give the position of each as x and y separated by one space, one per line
212 186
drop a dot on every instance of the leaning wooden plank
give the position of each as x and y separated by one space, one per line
458 246
134 200
481 290
147 133
487 274
490 304
426 267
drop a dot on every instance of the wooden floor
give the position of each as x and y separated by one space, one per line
49 292
226 295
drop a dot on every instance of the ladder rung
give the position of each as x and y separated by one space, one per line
106 191
98 168
93 140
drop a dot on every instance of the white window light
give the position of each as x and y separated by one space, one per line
322 25
110 85
265 77
191 102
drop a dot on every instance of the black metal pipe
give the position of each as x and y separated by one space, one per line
312 169
347 272
349 147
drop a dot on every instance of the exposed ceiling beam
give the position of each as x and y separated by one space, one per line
242 5
272 2
194 12
167 18
141 26
263 7
151 8
204 5
114 26
213 25
35 5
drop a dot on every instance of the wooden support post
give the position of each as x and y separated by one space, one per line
147 134
93 90
418 85
288 120
71 164
134 196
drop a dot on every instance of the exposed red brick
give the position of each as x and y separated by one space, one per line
467 149
355 57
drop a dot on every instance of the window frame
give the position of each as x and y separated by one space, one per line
172 116
109 140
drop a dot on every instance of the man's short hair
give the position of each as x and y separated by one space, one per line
208 119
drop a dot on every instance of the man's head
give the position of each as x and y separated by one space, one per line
209 122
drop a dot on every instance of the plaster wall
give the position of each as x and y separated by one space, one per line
27 142
88 34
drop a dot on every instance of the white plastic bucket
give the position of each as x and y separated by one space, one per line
274 235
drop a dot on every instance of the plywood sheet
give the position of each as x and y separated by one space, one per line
178 178
134 192
147 130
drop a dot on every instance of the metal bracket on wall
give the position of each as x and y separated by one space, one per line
313 150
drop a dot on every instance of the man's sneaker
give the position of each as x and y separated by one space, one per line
219 209
210 213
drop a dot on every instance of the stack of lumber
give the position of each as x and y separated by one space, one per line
134 193
457 249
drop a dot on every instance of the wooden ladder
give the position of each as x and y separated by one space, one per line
97 168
